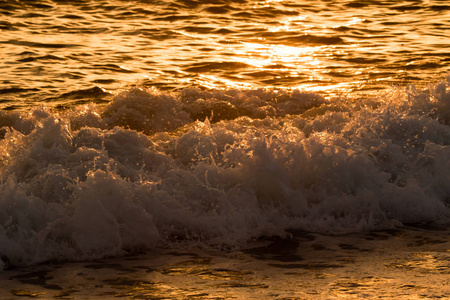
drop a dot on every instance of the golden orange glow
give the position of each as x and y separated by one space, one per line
259 55
279 63
342 86
355 20
213 82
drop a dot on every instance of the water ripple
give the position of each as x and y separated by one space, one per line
71 45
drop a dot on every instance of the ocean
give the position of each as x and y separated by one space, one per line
140 128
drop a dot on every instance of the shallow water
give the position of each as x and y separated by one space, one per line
129 125
410 263
68 52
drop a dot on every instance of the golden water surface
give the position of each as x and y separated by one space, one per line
66 52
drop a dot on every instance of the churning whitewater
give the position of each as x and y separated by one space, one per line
218 168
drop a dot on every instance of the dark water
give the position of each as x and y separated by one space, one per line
68 52
132 125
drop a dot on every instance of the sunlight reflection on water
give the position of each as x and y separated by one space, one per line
51 48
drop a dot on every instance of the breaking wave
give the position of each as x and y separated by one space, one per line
218 168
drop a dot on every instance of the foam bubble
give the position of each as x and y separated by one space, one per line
154 169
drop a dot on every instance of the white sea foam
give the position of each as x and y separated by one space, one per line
218 168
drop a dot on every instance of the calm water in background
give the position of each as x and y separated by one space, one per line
68 52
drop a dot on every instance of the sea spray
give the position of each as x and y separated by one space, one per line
217 168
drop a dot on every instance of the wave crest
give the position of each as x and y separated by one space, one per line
219 168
